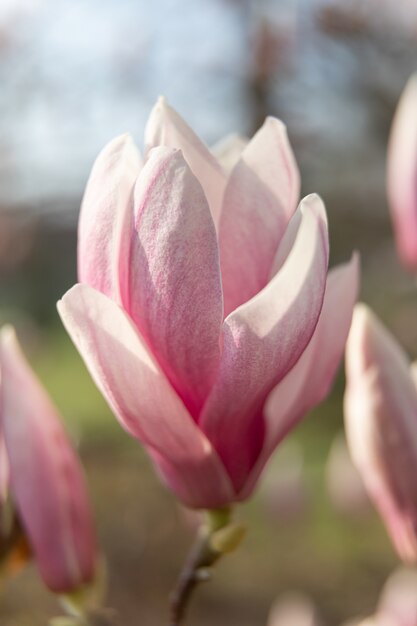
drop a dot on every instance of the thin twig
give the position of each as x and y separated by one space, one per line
196 570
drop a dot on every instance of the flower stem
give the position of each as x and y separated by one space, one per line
197 568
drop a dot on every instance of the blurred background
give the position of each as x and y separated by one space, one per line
75 73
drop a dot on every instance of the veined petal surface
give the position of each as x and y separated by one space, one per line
175 291
142 398
263 339
260 197
309 381
166 128
106 218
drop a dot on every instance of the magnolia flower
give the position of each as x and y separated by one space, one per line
397 605
44 476
402 174
204 312
381 425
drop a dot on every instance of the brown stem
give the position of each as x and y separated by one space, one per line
197 566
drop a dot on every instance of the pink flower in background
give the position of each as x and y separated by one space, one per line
373 620
398 602
293 609
204 312
46 480
381 425
402 175
397 605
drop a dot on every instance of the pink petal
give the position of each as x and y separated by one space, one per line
263 339
381 426
293 609
166 128
229 150
413 372
46 477
4 466
175 293
106 218
260 197
4 472
402 174
311 378
398 601
142 398
287 242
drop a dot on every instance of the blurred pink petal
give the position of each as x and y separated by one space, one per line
260 197
166 128
175 291
262 341
46 478
381 425
4 463
373 620
106 218
402 174
4 471
413 371
293 609
398 602
142 398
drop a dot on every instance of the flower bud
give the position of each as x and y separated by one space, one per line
402 174
46 479
381 426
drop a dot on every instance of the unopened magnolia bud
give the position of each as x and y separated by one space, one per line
46 478
380 419
401 174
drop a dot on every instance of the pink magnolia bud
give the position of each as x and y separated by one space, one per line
46 480
205 312
381 425
402 174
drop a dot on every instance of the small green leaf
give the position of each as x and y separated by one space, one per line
228 539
